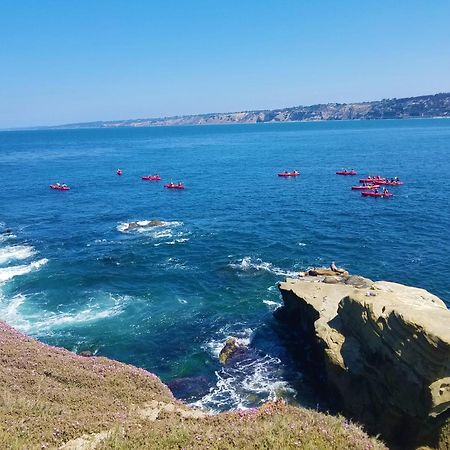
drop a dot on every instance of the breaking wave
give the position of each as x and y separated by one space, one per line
6 237
248 264
15 252
38 321
271 304
253 380
147 226
7 273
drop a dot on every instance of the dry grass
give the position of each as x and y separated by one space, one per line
273 426
49 396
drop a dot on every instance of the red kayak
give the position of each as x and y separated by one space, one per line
289 174
119 172
368 188
376 180
60 187
391 183
151 178
346 172
376 194
174 186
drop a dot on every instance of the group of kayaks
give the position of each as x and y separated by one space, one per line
119 172
369 187
157 177
373 185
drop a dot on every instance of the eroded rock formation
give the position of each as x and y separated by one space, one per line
384 348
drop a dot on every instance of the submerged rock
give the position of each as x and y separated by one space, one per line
142 224
385 350
193 386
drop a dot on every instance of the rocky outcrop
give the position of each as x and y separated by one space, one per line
141 224
384 348
231 350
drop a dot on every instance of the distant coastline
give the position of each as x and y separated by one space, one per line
426 106
435 106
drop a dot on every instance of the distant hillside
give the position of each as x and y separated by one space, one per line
437 105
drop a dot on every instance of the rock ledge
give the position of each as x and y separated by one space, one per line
384 348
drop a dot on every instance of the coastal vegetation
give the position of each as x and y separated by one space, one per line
52 398
382 349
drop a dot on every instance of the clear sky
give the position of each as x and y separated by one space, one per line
67 61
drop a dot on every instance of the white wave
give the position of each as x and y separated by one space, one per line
145 226
247 264
90 314
271 304
161 234
44 321
249 384
9 312
7 273
6 237
242 337
173 242
15 252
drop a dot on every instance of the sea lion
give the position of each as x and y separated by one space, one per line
336 269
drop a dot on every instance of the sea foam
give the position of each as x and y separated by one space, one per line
43 321
15 252
248 264
7 273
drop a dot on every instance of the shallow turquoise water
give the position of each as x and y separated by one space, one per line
167 298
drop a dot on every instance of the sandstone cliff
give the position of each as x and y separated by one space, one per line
437 105
385 349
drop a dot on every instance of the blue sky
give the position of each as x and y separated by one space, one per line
67 61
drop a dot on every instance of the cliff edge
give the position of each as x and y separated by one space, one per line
384 349
53 398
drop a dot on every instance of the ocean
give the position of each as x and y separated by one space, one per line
167 297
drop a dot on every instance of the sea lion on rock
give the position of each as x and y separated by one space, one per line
336 269
319 271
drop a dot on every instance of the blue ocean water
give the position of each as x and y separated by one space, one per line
166 298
